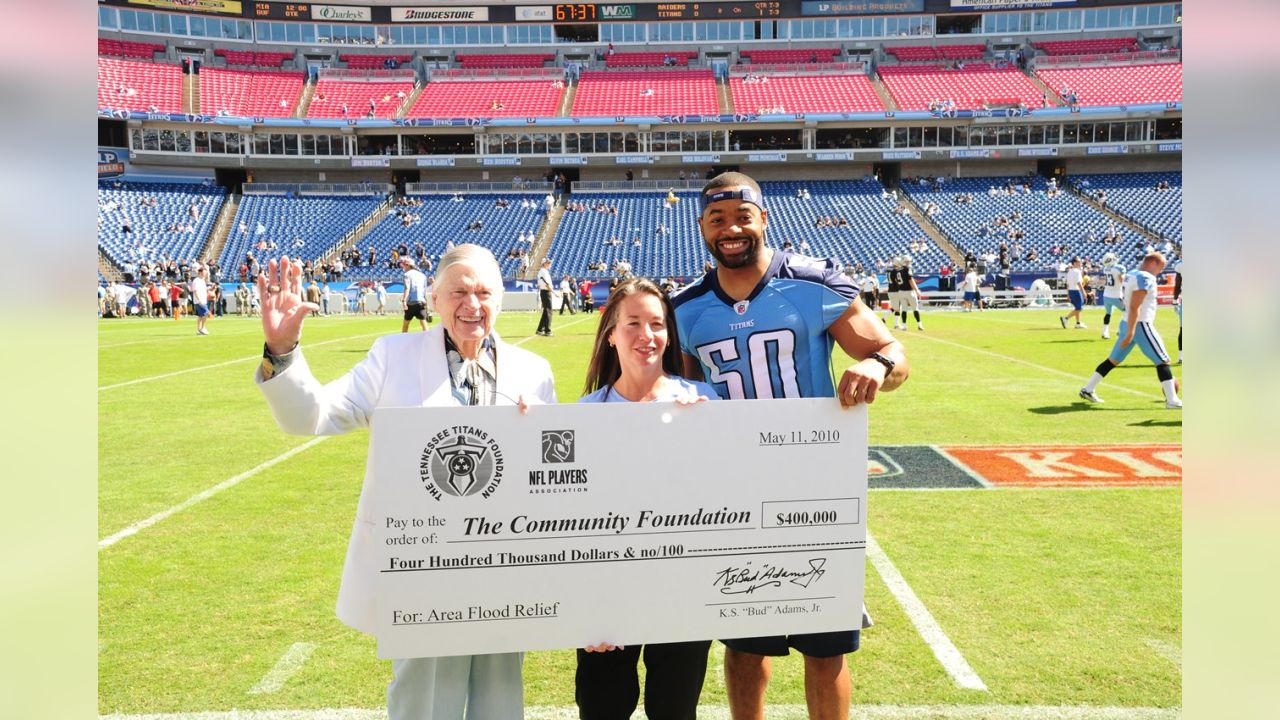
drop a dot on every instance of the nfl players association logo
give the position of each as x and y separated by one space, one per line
741 306
461 461
557 446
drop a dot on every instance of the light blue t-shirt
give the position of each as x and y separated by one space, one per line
674 388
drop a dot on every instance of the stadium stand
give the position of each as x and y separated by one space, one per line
582 235
1122 85
818 55
249 93
1091 46
873 233
976 86
153 234
350 99
824 93
129 49
1062 221
674 92
249 58
931 53
372 62
441 219
487 98
650 59
527 60
1134 196
141 86
319 221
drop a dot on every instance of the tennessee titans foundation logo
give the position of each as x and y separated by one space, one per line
557 446
461 462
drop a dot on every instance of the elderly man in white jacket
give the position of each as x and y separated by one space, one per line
462 362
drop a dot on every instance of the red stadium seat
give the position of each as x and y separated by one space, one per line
525 98
675 92
913 87
1123 85
332 95
249 93
136 85
824 93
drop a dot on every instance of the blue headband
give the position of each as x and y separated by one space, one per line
745 194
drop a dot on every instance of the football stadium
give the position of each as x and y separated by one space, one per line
996 184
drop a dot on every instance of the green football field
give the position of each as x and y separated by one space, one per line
222 539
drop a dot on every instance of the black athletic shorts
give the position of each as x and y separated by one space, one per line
415 310
827 644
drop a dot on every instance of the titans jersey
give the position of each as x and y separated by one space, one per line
1141 280
775 343
1114 277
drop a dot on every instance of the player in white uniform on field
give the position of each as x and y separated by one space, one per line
969 286
869 286
1113 290
1138 329
1075 293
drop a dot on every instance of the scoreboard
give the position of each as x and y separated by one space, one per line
282 11
718 10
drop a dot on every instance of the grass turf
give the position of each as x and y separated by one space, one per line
1052 596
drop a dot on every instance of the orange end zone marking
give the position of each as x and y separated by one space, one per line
1073 465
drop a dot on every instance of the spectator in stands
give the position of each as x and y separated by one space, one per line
460 364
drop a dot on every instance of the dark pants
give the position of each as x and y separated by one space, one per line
608 687
544 298
566 302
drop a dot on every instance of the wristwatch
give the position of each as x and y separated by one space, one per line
888 364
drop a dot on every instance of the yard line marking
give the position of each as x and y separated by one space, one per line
721 712
1168 651
288 664
229 362
943 649
206 494
1034 365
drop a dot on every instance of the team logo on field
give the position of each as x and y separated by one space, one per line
557 446
880 465
461 461
1073 465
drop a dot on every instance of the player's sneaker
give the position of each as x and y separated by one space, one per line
1179 357
1174 404
1091 396
1063 320
1106 334
1081 326
920 327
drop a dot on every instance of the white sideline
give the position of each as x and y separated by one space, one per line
1168 651
206 494
144 524
943 649
224 364
288 664
721 712
1080 378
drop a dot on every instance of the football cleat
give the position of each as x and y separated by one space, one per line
1106 334
1063 320
1174 404
1081 326
1091 396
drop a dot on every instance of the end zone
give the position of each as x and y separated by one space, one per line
1073 465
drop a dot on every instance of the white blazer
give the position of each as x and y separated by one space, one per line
403 370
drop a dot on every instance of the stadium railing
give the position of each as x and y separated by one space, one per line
637 185
801 68
359 74
526 186
550 73
317 188
1141 57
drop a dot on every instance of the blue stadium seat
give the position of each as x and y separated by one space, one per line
1134 196
443 219
1064 220
151 237
319 221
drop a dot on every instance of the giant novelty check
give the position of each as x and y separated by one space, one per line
625 523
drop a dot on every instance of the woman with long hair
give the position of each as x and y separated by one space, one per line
636 358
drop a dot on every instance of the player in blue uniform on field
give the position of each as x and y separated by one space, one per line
762 324
1138 330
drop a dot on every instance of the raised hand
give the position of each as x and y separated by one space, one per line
283 308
